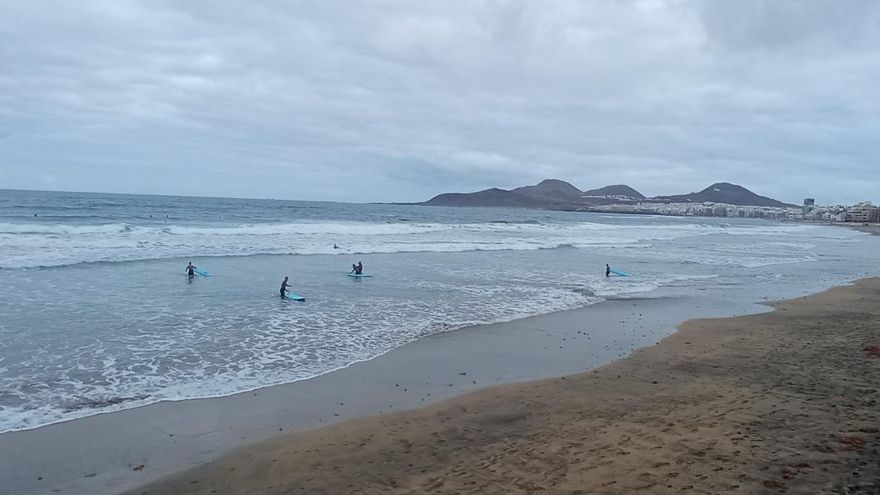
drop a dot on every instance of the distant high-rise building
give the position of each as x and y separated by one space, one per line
809 204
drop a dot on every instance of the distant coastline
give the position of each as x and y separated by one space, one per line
721 199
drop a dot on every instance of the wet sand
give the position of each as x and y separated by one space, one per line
781 402
871 228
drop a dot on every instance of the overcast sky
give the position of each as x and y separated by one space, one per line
399 100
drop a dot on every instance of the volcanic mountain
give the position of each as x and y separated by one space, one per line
552 189
725 192
620 190
554 194
548 194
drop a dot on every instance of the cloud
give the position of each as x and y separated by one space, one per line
408 99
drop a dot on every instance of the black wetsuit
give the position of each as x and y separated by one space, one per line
190 271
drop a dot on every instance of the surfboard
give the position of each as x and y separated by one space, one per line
294 297
358 275
616 272
203 272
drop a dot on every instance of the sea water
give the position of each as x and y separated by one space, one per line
97 313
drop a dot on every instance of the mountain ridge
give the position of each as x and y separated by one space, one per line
487 197
550 188
559 194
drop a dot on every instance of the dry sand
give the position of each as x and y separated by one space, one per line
782 402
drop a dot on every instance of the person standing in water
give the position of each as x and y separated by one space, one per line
284 286
190 270
359 269
607 270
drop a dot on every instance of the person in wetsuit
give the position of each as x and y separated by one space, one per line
359 269
607 270
190 270
284 286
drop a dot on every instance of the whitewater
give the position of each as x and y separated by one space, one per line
96 313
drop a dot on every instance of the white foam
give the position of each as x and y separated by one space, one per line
63 229
286 347
40 245
633 285
210 354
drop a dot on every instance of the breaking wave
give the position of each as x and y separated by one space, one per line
46 245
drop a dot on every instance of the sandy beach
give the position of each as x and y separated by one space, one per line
780 402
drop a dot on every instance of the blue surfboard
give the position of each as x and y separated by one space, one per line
294 297
203 272
358 275
622 274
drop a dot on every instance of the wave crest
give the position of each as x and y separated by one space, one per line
30 245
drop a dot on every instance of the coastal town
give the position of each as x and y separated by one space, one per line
864 212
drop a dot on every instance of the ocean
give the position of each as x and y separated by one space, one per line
97 313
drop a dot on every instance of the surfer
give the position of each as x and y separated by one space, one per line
354 268
335 246
284 286
191 270
359 269
607 270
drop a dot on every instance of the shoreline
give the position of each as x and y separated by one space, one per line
777 402
464 328
868 228
114 451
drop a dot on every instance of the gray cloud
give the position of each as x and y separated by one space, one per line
391 100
